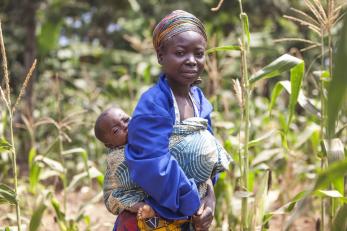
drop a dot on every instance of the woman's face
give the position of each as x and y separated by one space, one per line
182 58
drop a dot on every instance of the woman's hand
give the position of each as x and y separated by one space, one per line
203 217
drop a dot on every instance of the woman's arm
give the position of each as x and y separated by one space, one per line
203 218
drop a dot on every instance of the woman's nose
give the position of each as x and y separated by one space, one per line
191 60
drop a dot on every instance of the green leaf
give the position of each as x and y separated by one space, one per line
60 214
258 140
302 100
274 95
245 26
328 193
296 76
335 170
73 151
52 164
32 154
340 221
338 86
36 218
7 195
260 200
289 207
223 48
284 63
48 36
4 145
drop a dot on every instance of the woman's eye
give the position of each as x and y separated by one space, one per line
200 54
179 53
116 130
126 119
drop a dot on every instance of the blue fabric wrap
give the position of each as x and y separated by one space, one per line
172 194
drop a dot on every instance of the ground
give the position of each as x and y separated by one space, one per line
102 220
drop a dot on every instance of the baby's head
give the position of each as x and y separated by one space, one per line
111 127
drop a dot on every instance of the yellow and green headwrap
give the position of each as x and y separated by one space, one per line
176 22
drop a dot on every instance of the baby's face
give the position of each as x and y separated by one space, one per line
117 128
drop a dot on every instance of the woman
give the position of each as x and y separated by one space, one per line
180 42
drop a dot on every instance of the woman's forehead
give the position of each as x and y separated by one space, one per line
187 38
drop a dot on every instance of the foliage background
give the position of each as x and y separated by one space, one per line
93 54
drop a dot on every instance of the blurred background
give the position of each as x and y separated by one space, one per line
94 54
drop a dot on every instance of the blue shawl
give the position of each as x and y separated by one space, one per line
151 166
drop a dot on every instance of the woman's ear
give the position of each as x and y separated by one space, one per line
160 56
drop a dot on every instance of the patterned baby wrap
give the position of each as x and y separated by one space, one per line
196 150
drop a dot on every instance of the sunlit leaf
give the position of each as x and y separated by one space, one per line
7 195
340 221
328 193
289 207
284 63
296 75
36 218
223 48
260 199
333 171
48 36
261 139
338 85
276 91
5 145
52 164
302 100
245 25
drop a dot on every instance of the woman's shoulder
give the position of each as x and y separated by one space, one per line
154 101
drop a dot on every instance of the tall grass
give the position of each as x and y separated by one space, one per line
12 196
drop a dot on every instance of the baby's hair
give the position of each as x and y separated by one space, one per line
98 131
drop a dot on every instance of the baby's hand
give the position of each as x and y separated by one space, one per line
145 212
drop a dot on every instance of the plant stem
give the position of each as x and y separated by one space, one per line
14 166
63 177
246 94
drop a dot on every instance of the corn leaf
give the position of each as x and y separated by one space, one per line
7 195
245 25
52 164
335 170
274 95
260 200
338 85
302 100
48 36
4 145
223 48
59 213
258 140
328 193
83 154
296 76
340 221
34 171
36 218
284 63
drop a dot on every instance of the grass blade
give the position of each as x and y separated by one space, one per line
223 48
245 24
338 85
4 145
340 221
284 63
36 218
7 195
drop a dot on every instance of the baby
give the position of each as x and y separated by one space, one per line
196 150
111 128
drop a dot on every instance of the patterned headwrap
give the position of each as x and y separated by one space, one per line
174 23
